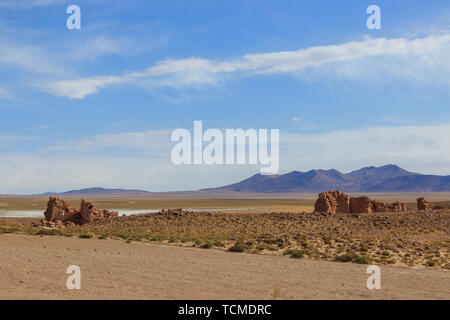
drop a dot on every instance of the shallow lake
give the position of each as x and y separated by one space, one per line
40 213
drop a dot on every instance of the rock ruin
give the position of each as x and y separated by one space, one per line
338 202
332 202
422 204
59 212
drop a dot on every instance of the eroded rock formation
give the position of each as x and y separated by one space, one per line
332 202
361 205
397 207
59 213
422 204
338 202
89 213
60 210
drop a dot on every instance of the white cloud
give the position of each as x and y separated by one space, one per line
421 148
92 48
5 94
10 139
420 55
424 149
51 57
152 141
78 89
29 58
28 174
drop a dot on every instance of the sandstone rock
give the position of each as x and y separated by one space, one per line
89 213
422 204
177 212
339 202
58 209
360 205
378 206
60 213
332 202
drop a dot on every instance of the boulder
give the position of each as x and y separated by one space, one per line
89 213
360 205
338 202
332 202
397 207
422 204
59 212
378 206
58 209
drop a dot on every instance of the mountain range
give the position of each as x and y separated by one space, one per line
98 190
388 178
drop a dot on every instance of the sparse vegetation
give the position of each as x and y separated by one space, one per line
207 245
86 236
406 239
239 247
49 232
297 254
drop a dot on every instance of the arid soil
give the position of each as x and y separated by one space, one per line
412 239
34 267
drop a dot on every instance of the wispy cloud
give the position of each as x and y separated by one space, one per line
10 139
153 140
422 55
5 94
78 89
420 148
47 58
424 149
99 46
29 58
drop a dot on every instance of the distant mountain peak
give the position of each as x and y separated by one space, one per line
389 178
97 190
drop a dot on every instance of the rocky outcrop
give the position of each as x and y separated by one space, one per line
332 202
338 202
378 206
60 210
89 213
422 204
397 207
59 213
360 205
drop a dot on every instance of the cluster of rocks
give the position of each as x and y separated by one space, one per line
336 201
176 212
59 213
422 204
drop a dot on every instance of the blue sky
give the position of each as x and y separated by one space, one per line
95 107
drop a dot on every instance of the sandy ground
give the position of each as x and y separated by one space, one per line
33 267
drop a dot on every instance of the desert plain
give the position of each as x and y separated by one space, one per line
254 248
